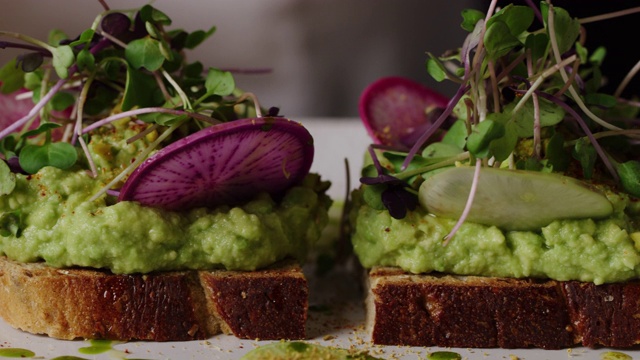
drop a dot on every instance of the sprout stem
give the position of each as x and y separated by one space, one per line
627 79
468 205
148 110
448 162
540 79
183 96
112 38
29 40
631 133
610 15
537 147
253 98
563 73
77 134
143 133
9 44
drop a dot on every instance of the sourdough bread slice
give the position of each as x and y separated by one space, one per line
168 306
483 312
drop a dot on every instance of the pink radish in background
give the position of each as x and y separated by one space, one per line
397 110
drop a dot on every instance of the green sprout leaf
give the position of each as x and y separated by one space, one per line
63 58
197 37
629 173
586 154
145 53
60 154
153 15
86 60
538 44
30 62
517 18
11 77
482 135
372 195
469 18
499 40
456 135
567 29
582 52
85 38
435 68
597 56
43 128
550 115
62 100
140 90
601 99
32 80
219 82
152 30
7 179
502 147
556 154
8 146
440 150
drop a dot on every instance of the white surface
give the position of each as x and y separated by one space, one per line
341 325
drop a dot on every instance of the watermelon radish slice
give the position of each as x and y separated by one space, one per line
393 109
223 164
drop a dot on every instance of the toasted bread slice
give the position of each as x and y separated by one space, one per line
483 312
168 306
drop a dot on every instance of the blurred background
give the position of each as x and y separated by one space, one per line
320 54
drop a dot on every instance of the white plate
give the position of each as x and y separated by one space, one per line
340 320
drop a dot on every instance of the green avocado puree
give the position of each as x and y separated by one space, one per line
49 217
599 251
62 227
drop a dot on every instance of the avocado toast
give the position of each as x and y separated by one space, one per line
506 216
139 188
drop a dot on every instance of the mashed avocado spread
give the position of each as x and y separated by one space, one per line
599 251
49 216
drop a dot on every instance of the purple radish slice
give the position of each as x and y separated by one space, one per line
396 110
223 164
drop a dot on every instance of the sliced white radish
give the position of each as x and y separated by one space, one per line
511 199
223 164
395 108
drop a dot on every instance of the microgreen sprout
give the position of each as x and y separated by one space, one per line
529 98
126 67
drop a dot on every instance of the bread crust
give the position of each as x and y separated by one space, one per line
483 312
167 306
